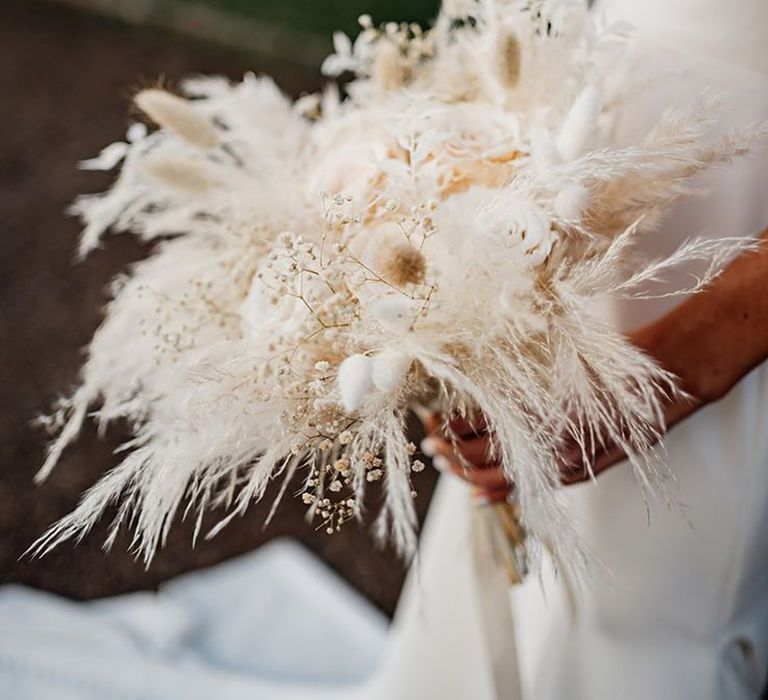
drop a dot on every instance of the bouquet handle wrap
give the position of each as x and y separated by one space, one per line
500 562
499 524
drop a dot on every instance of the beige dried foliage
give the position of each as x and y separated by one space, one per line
388 73
179 116
179 173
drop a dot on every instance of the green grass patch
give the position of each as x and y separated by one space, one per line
322 17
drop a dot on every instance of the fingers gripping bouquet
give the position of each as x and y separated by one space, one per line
437 236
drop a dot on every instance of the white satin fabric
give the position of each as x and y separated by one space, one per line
274 624
439 645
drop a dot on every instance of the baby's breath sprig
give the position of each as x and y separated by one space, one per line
198 305
330 490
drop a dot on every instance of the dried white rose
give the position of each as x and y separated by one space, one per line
530 231
538 245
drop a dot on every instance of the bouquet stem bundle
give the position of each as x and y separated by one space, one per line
499 524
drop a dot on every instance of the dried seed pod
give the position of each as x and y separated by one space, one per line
404 265
508 59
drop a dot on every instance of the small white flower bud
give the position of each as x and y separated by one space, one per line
354 381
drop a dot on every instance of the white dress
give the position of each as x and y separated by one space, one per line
685 615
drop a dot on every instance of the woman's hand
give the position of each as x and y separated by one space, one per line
472 448
468 456
710 342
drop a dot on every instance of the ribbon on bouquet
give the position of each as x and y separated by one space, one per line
500 562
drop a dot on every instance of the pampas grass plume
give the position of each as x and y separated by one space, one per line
179 173
579 123
177 115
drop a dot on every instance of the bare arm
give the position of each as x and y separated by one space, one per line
716 337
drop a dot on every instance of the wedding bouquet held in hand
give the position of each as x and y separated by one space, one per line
436 232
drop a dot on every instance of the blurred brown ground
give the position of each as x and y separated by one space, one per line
66 80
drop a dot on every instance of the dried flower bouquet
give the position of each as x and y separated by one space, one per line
437 235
